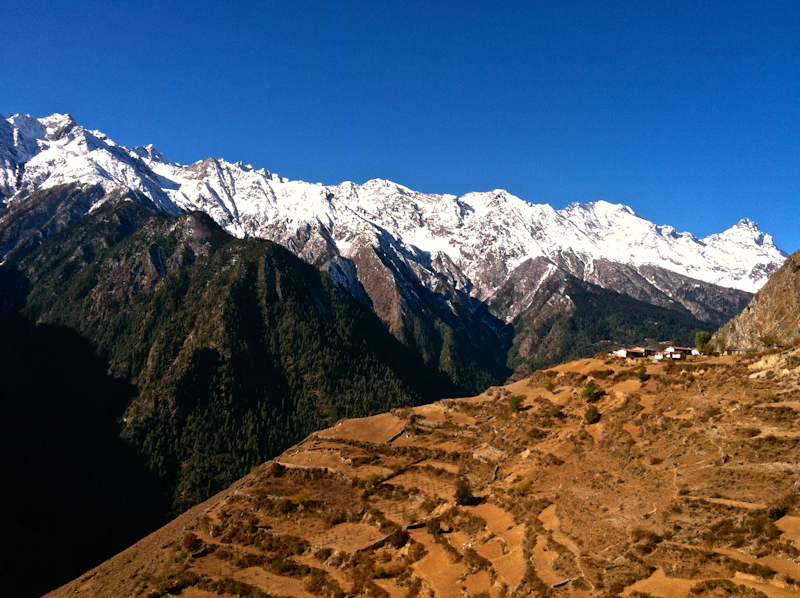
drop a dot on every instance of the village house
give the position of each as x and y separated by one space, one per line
636 352
675 353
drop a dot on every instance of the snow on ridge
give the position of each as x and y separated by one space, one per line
469 229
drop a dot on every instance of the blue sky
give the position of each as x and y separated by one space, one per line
689 112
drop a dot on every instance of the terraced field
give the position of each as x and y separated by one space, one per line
688 485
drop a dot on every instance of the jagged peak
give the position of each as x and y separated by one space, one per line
746 223
150 152
746 232
600 206
58 124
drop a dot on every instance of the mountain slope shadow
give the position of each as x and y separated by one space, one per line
75 492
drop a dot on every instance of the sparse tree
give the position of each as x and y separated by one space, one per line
463 494
592 415
592 392
701 340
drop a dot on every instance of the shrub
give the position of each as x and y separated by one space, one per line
592 415
515 403
374 480
601 374
335 517
592 392
276 469
191 542
769 340
522 488
434 527
302 498
284 505
463 494
398 538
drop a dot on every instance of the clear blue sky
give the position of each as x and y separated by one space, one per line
689 112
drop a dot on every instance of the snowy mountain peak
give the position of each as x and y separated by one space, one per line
58 125
475 241
600 209
745 233
151 153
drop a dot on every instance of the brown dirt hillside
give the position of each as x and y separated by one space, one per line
688 485
773 315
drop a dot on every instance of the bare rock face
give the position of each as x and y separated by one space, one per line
772 317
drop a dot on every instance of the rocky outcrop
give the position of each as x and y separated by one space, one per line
772 317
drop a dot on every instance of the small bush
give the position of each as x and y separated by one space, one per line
302 498
463 493
601 374
522 488
515 403
191 542
592 392
769 340
592 415
373 480
285 506
276 470
434 527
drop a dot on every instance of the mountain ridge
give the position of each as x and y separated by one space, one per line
320 222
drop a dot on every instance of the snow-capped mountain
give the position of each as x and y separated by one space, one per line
473 245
